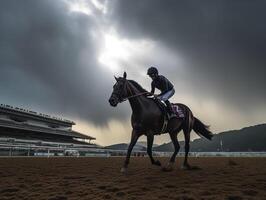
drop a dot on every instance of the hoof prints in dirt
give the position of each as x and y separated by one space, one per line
110 189
58 198
107 196
9 190
184 198
234 197
206 193
250 192
169 186
120 194
81 179
73 177
102 187
232 163
107 188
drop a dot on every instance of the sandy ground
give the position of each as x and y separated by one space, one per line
100 178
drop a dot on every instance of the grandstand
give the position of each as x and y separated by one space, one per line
28 133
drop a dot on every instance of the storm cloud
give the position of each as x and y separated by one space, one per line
49 61
223 43
59 57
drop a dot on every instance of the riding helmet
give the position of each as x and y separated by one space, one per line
152 70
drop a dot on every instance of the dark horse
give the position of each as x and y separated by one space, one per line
147 119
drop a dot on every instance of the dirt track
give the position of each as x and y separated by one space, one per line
100 178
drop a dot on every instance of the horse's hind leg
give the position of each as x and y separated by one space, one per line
173 136
186 165
187 146
187 129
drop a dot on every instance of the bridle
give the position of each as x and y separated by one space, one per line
121 99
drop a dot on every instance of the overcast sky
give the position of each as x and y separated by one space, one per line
59 57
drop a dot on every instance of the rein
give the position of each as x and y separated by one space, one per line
129 97
132 96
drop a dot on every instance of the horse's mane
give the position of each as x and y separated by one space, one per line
138 86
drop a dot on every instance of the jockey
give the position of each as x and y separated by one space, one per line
164 85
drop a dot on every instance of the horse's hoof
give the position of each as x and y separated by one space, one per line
158 163
123 170
186 167
168 167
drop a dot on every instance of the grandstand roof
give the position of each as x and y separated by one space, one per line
29 127
34 115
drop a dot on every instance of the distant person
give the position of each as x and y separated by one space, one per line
164 85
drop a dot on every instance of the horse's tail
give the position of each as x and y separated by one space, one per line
202 129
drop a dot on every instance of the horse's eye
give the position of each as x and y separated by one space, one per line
115 86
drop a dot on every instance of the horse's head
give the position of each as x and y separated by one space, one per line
119 90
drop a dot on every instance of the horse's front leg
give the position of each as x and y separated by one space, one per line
134 139
150 138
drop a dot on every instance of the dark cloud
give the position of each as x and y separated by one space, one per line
223 43
48 60
49 56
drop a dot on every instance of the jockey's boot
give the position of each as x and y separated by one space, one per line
170 109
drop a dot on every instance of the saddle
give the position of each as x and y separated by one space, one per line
177 110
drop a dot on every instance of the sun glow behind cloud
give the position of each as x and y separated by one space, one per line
120 53
117 54
114 51
87 6
79 6
102 6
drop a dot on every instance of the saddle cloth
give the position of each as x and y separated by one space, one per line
177 110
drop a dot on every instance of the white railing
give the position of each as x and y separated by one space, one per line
99 152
